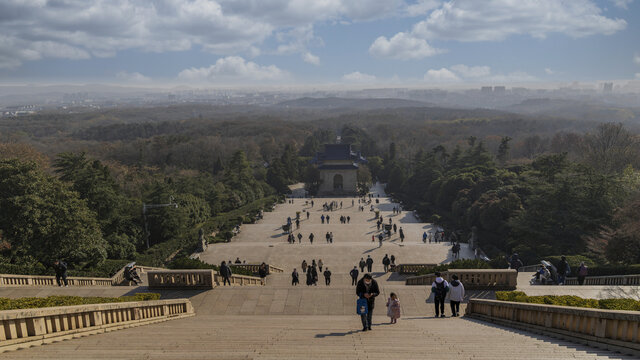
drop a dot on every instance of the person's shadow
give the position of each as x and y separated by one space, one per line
337 334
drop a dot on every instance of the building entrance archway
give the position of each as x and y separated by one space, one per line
337 182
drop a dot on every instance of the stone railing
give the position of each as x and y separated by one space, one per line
29 327
613 329
606 280
181 279
254 268
195 279
42 280
412 268
119 280
529 268
240 280
474 279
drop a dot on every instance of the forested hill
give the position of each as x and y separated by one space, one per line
351 103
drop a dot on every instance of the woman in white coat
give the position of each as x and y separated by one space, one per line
456 295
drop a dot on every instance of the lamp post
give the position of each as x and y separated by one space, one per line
153 206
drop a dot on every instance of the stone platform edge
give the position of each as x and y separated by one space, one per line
32 327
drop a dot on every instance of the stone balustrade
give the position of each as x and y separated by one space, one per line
42 280
529 268
606 280
29 327
412 268
119 279
195 279
474 279
616 330
254 268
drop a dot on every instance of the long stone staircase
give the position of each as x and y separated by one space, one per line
279 321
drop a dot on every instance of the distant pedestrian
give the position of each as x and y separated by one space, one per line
395 228
348 219
362 264
60 268
331 237
563 270
393 308
401 235
225 272
309 278
380 238
439 288
369 263
322 218
393 260
297 223
299 238
386 262
582 273
327 236
314 275
456 295
311 238
424 237
263 271
294 278
320 264
354 275
308 214
304 266
327 277
327 219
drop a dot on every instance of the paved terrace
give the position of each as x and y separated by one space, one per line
318 322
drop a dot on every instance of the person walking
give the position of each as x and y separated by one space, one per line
582 273
297 224
386 262
309 278
308 214
311 236
327 237
456 295
563 270
424 237
393 308
304 266
60 268
439 288
393 260
294 278
322 218
401 235
348 219
225 272
362 264
395 228
380 238
367 288
331 237
327 277
369 263
320 264
299 238
354 275
327 219
314 276
262 272
515 262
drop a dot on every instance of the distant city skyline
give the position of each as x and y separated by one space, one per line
307 43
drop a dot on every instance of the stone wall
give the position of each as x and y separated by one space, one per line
474 279
349 182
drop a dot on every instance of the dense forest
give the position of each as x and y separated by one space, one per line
72 186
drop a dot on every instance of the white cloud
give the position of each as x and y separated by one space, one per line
636 58
471 72
422 7
442 75
134 77
233 68
310 58
357 76
637 75
495 20
549 71
622 4
402 46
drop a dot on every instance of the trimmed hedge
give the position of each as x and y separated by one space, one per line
53 301
569 300
457 264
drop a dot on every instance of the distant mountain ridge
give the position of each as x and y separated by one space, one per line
351 103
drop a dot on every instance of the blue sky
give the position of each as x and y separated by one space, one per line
315 42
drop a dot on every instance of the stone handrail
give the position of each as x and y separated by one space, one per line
614 329
29 327
254 268
529 268
606 280
195 279
412 268
118 278
181 279
474 279
241 280
39 280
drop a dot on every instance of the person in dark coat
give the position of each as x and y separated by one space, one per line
225 272
386 262
369 263
262 271
367 288
314 276
362 264
327 276
294 278
309 277
60 268
354 275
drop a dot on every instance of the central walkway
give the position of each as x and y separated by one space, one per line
279 321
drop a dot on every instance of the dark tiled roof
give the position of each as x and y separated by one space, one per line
337 152
338 167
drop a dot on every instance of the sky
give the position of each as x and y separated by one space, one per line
315 42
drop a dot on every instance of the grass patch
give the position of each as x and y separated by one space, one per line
569 300
53 301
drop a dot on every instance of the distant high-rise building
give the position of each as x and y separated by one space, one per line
499 89
486 90
608 87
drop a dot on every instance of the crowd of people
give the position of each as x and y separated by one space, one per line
311 271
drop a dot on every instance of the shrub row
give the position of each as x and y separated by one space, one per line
569 300
457 264
53 301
